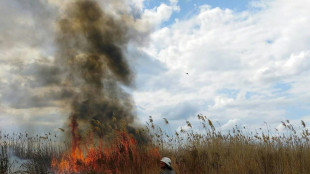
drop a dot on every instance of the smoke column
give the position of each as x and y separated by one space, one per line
90 45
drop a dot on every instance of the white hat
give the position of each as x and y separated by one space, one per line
166 160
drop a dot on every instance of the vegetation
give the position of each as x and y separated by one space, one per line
238 151
24 154
205 151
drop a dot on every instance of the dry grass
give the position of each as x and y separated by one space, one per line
35 152
237 151
5 166
207 151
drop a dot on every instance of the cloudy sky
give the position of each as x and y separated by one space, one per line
237 62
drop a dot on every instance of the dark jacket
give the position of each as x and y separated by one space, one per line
167 171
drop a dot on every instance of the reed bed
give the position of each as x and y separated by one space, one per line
192 150
237 151
28 154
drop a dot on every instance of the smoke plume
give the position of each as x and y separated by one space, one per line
90 43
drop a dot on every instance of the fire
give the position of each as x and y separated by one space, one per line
122 154
90 40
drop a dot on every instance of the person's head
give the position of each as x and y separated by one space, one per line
165 162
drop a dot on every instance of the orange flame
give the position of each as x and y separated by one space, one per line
121 155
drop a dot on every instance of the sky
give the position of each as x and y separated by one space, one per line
237 62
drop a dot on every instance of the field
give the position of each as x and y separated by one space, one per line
208 151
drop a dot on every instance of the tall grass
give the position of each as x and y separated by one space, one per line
35 152
237 151
5 166
202 149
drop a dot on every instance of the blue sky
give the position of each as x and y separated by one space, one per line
248 62
191 7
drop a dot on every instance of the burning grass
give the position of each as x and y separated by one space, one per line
122 155
207 151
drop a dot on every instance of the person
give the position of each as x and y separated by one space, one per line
165 165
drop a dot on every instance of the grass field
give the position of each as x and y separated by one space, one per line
208 151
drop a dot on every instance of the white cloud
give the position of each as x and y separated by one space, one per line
32 120
138 3
157 15
174 2
293 66
230 124
250 52
221 101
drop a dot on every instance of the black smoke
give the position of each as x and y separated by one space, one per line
90 53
